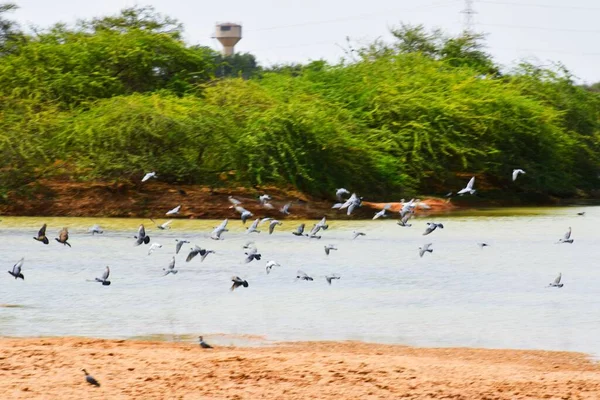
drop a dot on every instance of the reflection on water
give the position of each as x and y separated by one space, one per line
460 295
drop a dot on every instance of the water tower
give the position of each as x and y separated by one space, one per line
228 34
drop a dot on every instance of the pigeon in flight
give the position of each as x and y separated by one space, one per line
271 264
408 207
264 199
329 247
90 379
174 211
179 244
252 254
515 173
556 282
41 236
432 226
153 247
16 270
216 233
322 224
286 208
63 236
382 213
567 237
299 230
249 244
237 282
482 245
425 248
404 220
469 189
582 213
245 216
253 227
353 202
141 236
303 276
163 226
234 201
272 226
148 176
95 229
203 344
104 280
356 234
171 268
331 277
197 250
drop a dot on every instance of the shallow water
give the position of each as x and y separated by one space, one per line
460 295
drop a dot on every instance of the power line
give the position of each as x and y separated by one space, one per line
542 28
506 3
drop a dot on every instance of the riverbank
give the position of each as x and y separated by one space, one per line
155 198
44 368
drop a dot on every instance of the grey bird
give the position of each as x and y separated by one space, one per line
252 254
244 214
95 229
353 202
90 379
556 282
272 226
237 282
198 250
162 226
179 244
141 236
303 276
432 226
41 236
331 277
404 220
426 248
329 247
216 233
249 244
567 237
286 208
382 213
340 192
408 207
16 270
203 344
299 230
63 236
253 227
322 224
234 201
582 213
356 234
270 265
482 245
171 268
104 280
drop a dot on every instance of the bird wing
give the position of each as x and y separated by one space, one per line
302 274
471 183
568 234
255 224
178 246
166 224
272 226
234 201
141 232
429 229
106 273
63 235
17 267
300 228
42 231
172 264
515 173
558 278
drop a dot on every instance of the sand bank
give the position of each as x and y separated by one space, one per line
50 368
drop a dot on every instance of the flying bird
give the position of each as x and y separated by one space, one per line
331 277
515 173
245 215
41 236
303 276
299 230
356 234
90 379
432 226
95 229
272 226
163 226
171 268
141 236
237 282
567 237
203 344
404 220
322 224
153 247
353 202
329 247
482 245
16 270
286 208
469 189
148 176
174 211
382 213
556 282
104 280
249 244
340 192
582 213
216 233
271 264
63 236
264 199
252 254
198 250
253 227
408 207
425 248
234 201
179 244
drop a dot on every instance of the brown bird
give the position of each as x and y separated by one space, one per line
237 282
41 236
63 236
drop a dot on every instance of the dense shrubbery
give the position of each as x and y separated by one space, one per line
117 96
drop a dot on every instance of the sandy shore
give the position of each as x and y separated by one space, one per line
50 368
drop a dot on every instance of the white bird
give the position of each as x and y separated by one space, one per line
234 201
516 173
469 189
567 237
329 247
253 227
163 226
286 208
95 229
425 248
331 277
148 176
171 268
556 282
153 247
216 233
382 212
271 264
340 192
272 226
266 219
264 198
174 211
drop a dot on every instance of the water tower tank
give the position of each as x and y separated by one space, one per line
228 34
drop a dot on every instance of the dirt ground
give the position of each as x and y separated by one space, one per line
154 199
50 368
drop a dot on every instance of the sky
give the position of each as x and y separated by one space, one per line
538 31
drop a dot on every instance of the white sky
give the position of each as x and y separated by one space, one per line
541 31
